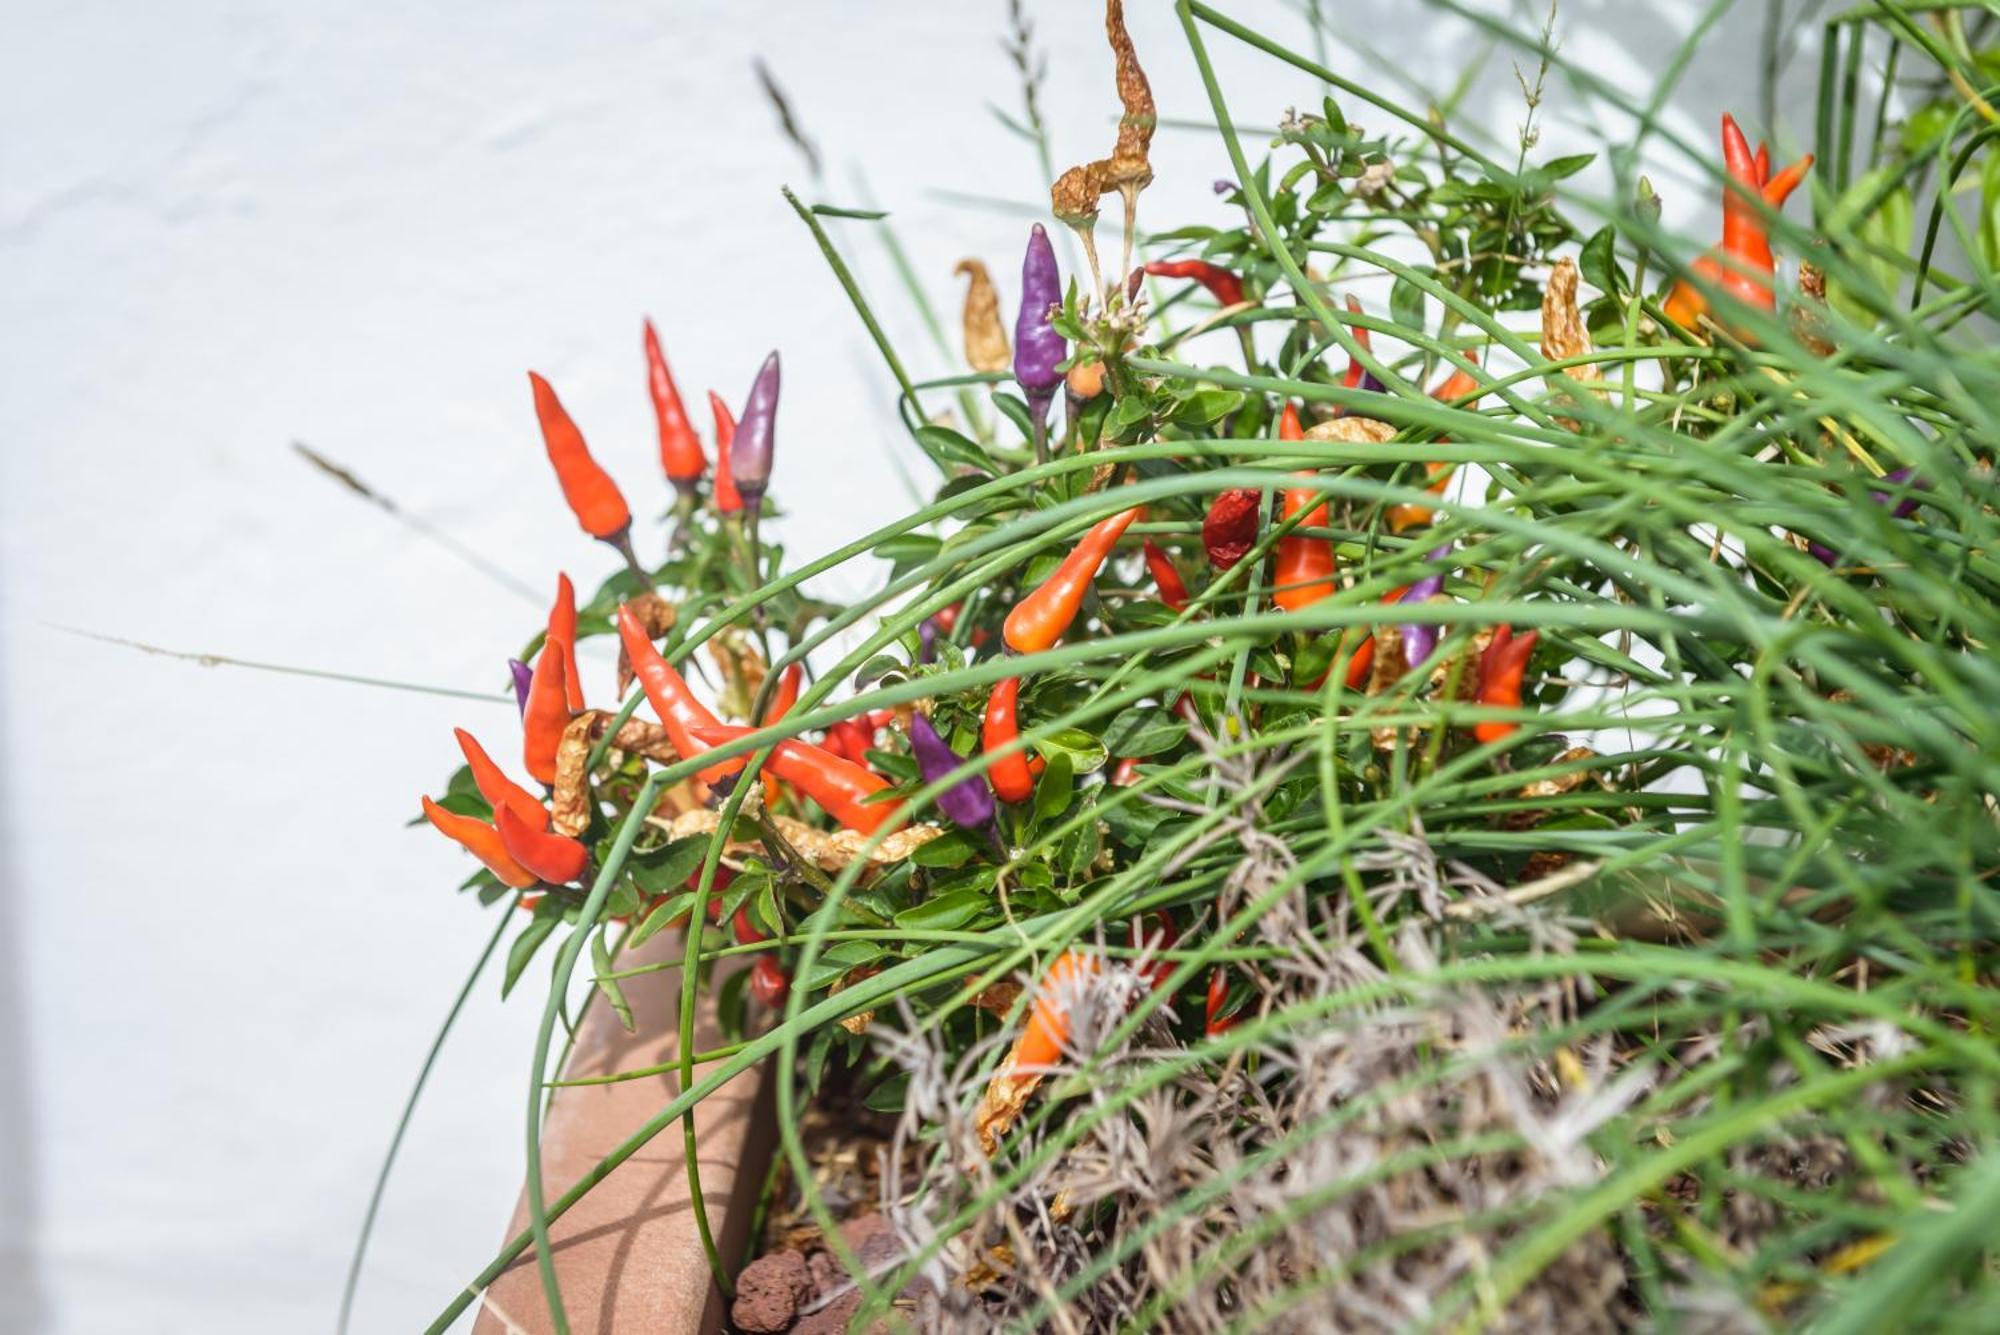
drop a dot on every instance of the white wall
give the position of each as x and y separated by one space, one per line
227 225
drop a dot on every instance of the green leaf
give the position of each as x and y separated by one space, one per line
1598 262
1989 209
600 960
835 962
1143 730
1055 788
1406 304
1085 754
835 211
526 944
1207 405
1558 169
945 913
669 867
954 848
1011 407
890 1095
662 915
947 446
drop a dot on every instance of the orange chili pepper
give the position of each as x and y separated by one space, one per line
841 787
680 447
728 500
555 858
1041 1043
1040 619
494 785
1288 424
1303 573
1454 387
482 841
1173 589
561 637
667 691
1012 775
1747 265
1501 669
593 497
547 715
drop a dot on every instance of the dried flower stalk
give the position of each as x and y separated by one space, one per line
986 346
1074 195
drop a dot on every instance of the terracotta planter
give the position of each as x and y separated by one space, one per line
628 1255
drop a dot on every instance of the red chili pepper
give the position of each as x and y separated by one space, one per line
1173 589
482 841
1363 657
947 616
494 785
728 500
1125 773
1012 775
850 739
593 497
1040 619
769 982
1224 286
562 637
680 447
546 717
786 695
1218 997
1304 568
1156 934
1289 427
840 786
667 691
746 931
1501 669
555 858
1230 529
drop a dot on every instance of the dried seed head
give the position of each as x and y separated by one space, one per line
986 347
1353 430
1129 165
1563 334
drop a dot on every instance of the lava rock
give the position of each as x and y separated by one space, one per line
769 1292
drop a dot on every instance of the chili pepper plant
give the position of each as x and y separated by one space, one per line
1429 761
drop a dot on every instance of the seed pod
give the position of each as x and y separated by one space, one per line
985 338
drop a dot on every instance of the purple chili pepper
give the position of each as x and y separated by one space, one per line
1826 556
756 434
1224 187
524 677
1420 638
927 634
969 802
1038 348
1370 385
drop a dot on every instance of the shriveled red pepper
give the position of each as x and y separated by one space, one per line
769 982
728 500
1230 528
553 857
1214 1021
482 841
841 787
1746 265
1173 589
593 497
672 700
1224 286
494 785
1012 775
1501 669
561 638
1040 619
546 717
1303 571
680 447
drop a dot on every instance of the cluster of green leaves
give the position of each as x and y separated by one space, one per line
1803 762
